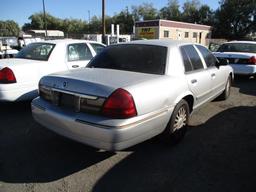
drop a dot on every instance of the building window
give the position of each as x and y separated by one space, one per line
166 34
186 34
195 35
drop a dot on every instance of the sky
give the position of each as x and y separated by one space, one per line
20 10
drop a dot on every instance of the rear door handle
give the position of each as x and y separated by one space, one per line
213 75
75 66
193 81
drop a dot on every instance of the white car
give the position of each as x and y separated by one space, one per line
19 76
241 56
131 92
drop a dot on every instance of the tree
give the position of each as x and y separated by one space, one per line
235 19
95 25
146 11
171 11
68 26
125 20
205 15
9 28
191 11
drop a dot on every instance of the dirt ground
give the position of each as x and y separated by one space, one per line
217 154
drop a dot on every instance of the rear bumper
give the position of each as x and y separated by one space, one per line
241 69
97 131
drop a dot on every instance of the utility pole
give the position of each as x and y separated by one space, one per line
89 21
45 23
103 22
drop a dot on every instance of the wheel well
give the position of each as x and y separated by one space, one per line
231 76
190 101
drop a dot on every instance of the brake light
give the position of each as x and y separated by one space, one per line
252 60
7 76
119 105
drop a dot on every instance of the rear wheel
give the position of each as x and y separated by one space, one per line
178 123
226 92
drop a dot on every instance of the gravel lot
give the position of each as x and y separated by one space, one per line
217 154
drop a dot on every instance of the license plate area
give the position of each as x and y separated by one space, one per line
67 101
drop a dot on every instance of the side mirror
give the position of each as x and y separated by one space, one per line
221 62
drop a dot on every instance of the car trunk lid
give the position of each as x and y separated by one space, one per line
236 58
87 89
95 81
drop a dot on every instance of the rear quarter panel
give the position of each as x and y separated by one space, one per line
158 94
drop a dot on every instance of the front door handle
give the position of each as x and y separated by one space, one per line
193 81
213 75
75 66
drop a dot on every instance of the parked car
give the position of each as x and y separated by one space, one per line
8 47
131 92
241 56
19 76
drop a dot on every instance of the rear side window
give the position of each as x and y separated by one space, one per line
132 57
79 52
186 60
210 60
36 51
189 53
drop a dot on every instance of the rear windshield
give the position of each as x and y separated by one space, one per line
138 58
238 47
36 51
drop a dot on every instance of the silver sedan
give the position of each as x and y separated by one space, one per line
132 92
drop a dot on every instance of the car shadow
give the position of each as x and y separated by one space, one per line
246 85
30 153
218 155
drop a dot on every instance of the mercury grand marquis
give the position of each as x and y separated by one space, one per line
19 76
131 92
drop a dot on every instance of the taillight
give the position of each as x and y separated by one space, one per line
252 60
45 92
7 76
119 105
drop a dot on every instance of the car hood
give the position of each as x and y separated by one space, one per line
234 55
96 81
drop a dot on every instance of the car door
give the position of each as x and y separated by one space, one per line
199 80
217 75
78 55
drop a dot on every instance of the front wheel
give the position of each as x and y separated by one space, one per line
177 126
225 94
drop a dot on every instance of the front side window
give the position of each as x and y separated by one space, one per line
36 51
79 52
132 57
189 53
209 59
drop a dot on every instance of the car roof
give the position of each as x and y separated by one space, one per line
251 42
161 42
67 41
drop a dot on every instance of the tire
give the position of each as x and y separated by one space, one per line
226 93
177 126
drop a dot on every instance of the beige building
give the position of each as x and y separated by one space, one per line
161 29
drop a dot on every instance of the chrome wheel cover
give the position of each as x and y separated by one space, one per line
180 119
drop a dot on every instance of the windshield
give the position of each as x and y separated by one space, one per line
238 47
36 51
132 57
